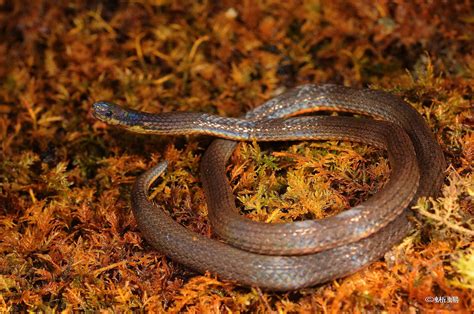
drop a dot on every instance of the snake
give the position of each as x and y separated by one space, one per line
291 255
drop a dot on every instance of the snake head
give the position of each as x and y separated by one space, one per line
109 113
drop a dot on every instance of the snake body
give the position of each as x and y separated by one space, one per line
299 254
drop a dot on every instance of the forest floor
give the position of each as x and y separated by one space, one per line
68 237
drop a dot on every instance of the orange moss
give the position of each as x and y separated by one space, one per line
68 240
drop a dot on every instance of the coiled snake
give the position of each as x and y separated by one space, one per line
298 254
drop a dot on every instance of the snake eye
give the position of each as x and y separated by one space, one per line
107 113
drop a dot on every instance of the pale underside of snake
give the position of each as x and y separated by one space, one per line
299 254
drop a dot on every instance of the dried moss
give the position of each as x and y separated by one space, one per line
68 238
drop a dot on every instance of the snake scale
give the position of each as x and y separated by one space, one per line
299 254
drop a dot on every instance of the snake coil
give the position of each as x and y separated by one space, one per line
298 254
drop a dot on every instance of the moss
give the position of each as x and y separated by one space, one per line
68 238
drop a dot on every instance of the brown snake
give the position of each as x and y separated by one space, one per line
298 254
